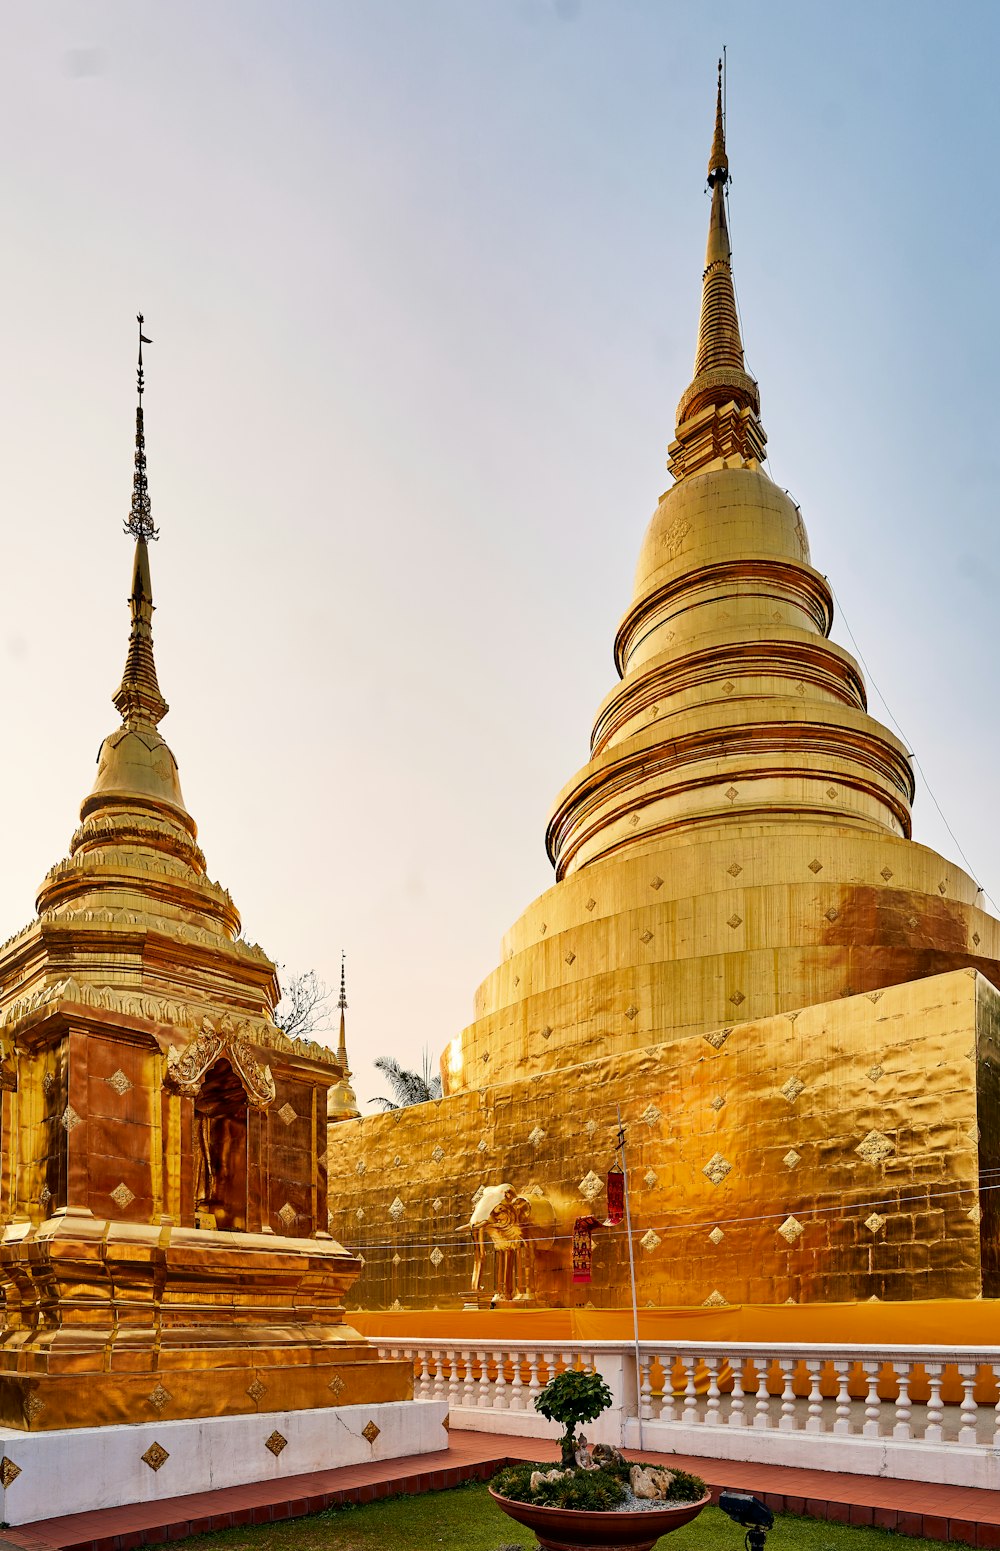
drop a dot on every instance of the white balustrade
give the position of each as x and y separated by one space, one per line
849 1407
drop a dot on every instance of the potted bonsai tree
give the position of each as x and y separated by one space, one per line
573 1397
596 1497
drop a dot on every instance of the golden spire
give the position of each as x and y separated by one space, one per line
718 423
342 1103
138 697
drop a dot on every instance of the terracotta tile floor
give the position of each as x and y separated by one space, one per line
909 1507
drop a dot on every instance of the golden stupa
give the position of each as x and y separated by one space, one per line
165 1252
790 1002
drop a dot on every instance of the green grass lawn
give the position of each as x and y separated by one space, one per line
466 1519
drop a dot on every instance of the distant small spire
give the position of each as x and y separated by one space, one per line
140 517
343 985
342 1103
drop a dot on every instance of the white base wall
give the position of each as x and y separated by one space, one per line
951 1464
73 1470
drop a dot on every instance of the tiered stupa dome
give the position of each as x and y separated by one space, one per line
738 843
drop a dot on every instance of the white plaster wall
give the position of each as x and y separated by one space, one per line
73 1470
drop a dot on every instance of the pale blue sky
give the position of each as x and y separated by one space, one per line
422 277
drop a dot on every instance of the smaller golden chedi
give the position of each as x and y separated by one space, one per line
164 1249
341 1103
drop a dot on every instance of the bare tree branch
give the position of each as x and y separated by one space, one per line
303 1011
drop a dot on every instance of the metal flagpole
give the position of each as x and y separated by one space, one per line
620 1148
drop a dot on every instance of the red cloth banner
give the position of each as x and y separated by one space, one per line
616 1197
583 1247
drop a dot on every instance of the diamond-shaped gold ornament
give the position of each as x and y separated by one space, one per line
159 1397
650 1241
371 1432
815 865
436 1256
791 1158
119 1082
8 1471
397 1210
790 1229
437 1154
122 1196
155 1456
716 1235
716 1168
651 1178
70 1118
276 1442
591 1185
715 1300
650 1115
874 1073
875 1223
875 1147
717 1038
536 1136
287 1114
257 1390
337 1385
288 1215
791 1088
717 1103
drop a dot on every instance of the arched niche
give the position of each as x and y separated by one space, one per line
220 1149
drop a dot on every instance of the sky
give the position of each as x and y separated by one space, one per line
422 278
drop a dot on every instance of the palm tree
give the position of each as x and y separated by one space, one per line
407 1087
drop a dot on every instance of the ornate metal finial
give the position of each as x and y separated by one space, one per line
718 161
140 517
342 1004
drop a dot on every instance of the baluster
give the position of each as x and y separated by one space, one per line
668 1401
737 1404
548 1359
568 1359
454 1389
712 1400
968 1411
500 1387
534 1386
469 1387
439 1389
814 1410
842 1418
646 1392
762 1409
873 1405
935 1410
484 1398
690 1413
420 1374
786 1421
901 1426
515 1400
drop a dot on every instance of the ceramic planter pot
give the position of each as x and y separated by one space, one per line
578 1529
